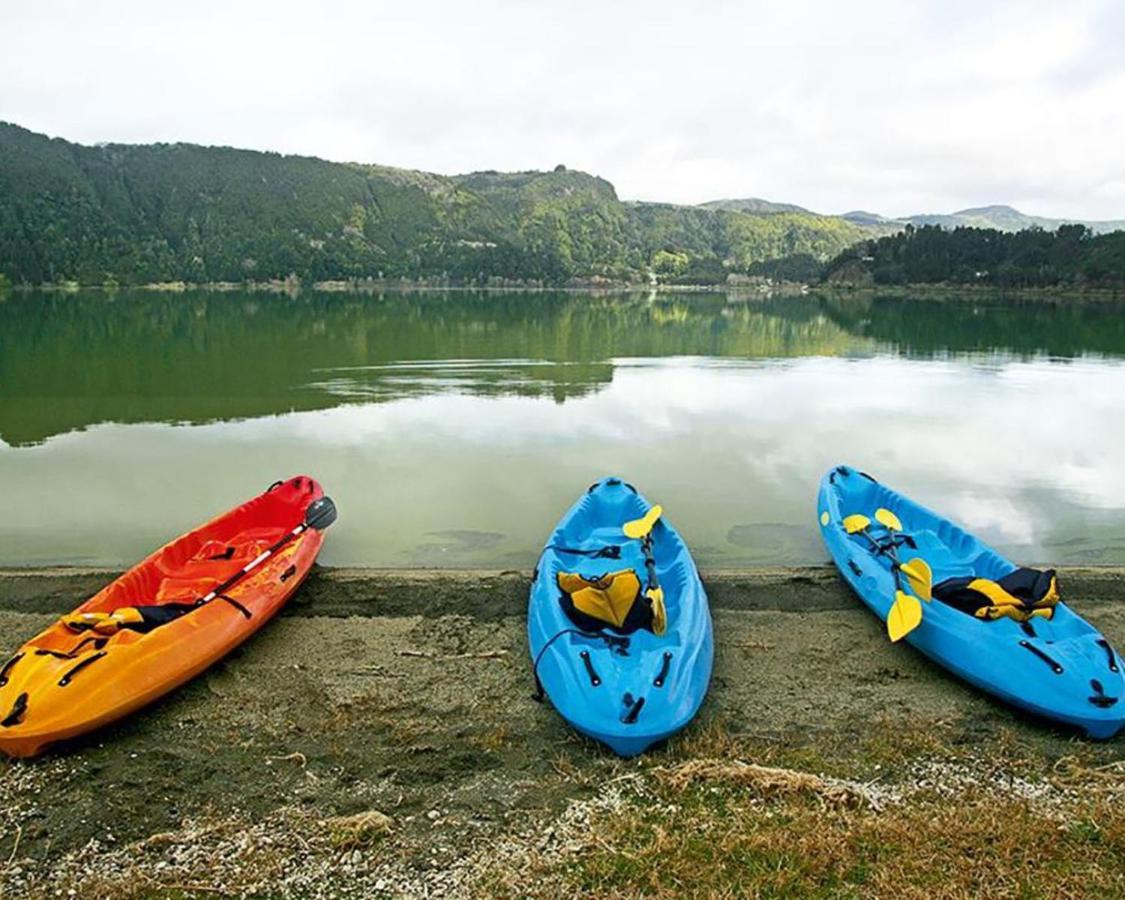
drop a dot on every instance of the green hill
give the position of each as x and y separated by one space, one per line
754 205
181 212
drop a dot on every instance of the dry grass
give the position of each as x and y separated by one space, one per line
728 843
936 821
764 781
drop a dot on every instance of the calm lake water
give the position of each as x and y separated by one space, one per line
454 428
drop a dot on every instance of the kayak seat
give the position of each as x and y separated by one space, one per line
134 618
1020 595
217 555
613 600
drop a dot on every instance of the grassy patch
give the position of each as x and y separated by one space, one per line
891 810
719 840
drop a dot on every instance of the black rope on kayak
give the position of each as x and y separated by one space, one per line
614 642
609 551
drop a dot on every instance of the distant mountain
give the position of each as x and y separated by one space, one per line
182 212
1002 218
861 217
754 205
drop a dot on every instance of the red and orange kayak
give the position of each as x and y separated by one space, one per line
164 621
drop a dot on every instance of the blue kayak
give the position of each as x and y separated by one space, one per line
619 628
998 626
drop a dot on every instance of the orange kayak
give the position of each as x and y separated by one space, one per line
164 621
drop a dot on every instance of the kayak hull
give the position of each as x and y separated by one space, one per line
1060 669
588 680
69 684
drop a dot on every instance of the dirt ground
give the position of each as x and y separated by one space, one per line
406 696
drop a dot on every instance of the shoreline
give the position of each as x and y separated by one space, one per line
959 293
491 593
923 291
378 739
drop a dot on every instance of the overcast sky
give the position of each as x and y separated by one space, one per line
897 107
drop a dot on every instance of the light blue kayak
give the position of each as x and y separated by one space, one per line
621 684
1052 663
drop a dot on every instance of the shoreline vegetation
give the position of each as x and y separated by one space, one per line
764 289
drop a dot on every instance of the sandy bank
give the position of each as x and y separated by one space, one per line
408 693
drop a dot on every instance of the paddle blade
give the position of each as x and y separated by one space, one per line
638 528
920 576
855 523
904 617
659 613
888 519
321 513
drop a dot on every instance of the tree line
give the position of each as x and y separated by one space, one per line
1071 256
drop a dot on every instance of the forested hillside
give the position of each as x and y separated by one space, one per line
179 212
1072 255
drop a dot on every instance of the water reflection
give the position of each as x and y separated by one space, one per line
454 428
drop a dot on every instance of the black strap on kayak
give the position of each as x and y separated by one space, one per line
1111 659
69 676
7 670
1055 667
615 642
16 714
242 609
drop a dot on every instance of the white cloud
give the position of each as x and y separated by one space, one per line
900 107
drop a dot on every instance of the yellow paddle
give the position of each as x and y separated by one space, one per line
904 617
917 571
906 612
641 530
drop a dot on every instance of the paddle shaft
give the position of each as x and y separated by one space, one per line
253 564
650 562
892 551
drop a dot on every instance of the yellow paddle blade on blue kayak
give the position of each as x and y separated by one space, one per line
638 528
920 576
856 523
904 617
659 613
888 519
